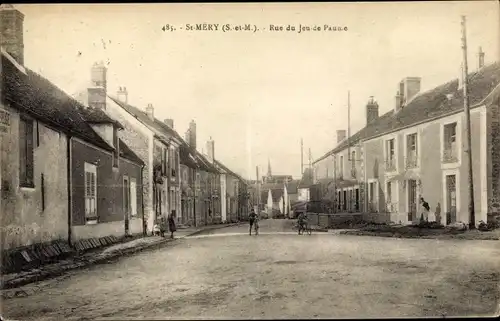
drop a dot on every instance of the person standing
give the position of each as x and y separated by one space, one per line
252 218
425 212
171 223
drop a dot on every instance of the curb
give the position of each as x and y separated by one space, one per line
84 262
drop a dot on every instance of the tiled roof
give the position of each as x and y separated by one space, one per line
38 97
431 104
193 159
157 126
127 153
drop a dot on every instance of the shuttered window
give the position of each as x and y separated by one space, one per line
26 153
90 193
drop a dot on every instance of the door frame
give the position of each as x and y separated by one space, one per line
446 172
408 209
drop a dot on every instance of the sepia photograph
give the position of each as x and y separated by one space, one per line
218 160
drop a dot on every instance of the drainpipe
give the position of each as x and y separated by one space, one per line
69 185
144 232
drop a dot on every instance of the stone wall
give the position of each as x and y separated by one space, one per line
29 215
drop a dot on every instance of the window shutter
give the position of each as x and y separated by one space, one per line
22 151
29 152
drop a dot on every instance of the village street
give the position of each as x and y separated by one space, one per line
228 274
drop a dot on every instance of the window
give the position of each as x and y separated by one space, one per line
90 193
411 151
174 163
388 197
353 164
341 169
26 153
164 158
133 197
116 142
390 162
450 153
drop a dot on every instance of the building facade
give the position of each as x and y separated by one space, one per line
417 150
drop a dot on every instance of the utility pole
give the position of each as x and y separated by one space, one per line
258 190
310 166
472 215
301 157
349 125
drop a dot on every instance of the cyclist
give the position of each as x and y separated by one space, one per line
253 221
302 221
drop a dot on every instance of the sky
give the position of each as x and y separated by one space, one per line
257 94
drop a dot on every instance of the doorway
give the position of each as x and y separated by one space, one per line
344 204
356 200
412 200
126 203
451 199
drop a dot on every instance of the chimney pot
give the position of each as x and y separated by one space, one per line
341 135
481 58
150 111
371 110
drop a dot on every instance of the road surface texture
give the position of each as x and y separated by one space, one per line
278 274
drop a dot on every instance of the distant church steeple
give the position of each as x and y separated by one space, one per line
269 172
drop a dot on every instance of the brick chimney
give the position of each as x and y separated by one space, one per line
11 32
192 134
122 94
211 150
341 135
481 58
150 111
371 111
97 91
169 122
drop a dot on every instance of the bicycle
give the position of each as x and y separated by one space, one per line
305 228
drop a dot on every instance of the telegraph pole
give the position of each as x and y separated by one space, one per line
349 125
258 190
472 215
301 157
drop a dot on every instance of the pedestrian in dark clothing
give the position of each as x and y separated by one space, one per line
425 215
163 226
171 223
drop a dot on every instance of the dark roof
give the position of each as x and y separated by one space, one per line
264 195
97 116
276 193
127 153
36 96
292 187
194 159
155 125
186 157
431 104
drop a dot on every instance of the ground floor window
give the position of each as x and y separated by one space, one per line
90 185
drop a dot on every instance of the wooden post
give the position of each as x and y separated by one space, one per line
468 150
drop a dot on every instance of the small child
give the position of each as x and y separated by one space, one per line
156 229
